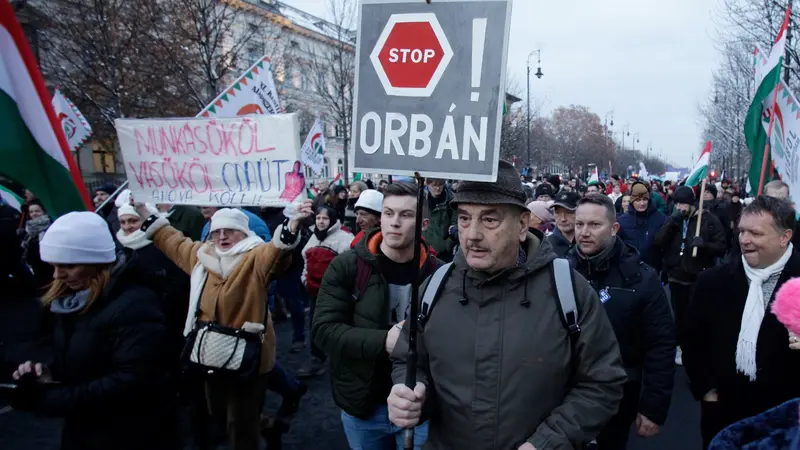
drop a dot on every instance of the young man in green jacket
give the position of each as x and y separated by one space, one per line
362 304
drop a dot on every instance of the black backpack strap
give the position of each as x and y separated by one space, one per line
565 290
432 291
363 273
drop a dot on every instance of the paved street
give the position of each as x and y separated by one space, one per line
317 424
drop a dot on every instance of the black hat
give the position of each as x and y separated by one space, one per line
339 189
507 190
108 188
711 188
543 189
567 200
683 194
555 180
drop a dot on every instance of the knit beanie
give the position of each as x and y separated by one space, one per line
231 219
684 195
639 190
108 188
78 238
712 189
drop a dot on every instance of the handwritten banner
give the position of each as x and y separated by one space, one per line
238 161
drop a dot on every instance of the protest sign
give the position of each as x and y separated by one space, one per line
313 152
239 161
252 93
430 82
785 140
76 128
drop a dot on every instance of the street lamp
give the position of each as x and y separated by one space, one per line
539 74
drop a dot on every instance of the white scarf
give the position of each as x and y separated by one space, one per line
133 241
220 262
754 310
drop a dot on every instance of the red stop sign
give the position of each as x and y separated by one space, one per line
411 54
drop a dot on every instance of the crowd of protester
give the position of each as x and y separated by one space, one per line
134 290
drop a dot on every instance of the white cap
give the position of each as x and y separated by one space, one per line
231 219
128 210
78 238
371 200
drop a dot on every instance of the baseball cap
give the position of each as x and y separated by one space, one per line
568 200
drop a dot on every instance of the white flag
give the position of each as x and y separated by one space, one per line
643 174
594 177
252 93
313 151
75 126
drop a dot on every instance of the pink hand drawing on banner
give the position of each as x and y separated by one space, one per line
295 182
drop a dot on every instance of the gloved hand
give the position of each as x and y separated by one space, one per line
698 241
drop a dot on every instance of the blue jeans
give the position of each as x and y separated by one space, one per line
377 433
289 288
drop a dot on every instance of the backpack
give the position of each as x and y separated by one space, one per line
364 271
317 261
565 290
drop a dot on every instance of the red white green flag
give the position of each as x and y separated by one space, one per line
700 169
33 149
75 126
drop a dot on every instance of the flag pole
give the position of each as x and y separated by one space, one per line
699 215
111 197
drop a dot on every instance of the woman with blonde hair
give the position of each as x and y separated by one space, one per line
109 376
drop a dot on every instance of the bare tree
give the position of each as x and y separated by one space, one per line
330 66
208 42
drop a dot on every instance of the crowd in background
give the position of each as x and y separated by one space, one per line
126 287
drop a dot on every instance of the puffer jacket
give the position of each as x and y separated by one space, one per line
638 309
683 267
353 331
496 357
113 370
336 242
774 429
639 230
441 218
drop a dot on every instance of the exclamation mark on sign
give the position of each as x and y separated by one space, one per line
478 39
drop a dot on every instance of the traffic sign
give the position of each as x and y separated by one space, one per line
429 90
411 54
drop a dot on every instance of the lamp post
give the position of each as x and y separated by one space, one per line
539 75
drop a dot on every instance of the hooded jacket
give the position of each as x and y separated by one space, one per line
638 309
352 332
496 357
639 230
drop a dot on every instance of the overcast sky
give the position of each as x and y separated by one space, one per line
648 61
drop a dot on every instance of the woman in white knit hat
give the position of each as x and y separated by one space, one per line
108 375
229 280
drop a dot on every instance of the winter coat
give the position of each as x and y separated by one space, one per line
774 429
239 298
109 213
558 243
441 218
188 220
685 268
712 332
639 311
722 210
335 243
640 229
497 360
349 218
114 387
353 331
658 202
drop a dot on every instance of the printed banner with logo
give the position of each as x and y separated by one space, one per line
313 151
75 126
252 93
238 161
785 139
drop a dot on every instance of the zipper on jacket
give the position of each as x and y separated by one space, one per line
620 289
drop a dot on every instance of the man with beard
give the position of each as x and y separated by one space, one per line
563 237
637 307
109 212
362 303
737 354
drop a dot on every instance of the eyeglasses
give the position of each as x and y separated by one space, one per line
224 232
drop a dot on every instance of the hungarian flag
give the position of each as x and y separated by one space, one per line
11 199
767 74
594 177
33 148
700 169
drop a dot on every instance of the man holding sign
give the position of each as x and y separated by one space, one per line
496 344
